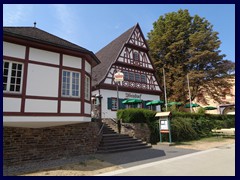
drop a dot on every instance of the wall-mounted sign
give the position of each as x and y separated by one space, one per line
133 95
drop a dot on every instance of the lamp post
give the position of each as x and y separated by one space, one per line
165 93
189 94
118 77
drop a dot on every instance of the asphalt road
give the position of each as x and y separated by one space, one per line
218 161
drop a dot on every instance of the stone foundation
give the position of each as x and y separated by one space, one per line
31 145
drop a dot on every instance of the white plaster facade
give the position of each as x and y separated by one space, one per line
42 89
108 113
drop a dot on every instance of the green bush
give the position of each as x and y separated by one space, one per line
182 130
184 126
201 110
134 115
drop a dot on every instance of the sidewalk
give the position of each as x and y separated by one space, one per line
213 162
142 156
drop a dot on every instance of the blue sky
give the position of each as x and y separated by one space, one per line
94 26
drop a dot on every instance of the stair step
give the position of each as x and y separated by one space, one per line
116 139
124 149
112 141
119 142
109 132
115 135
122 145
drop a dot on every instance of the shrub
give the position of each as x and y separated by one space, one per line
182 130
184 126
134 115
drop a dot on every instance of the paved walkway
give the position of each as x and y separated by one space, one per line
213 162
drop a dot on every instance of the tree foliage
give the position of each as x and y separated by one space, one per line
182 44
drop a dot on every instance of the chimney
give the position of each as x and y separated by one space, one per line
35 24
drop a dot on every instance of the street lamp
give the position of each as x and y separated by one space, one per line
190 100
165 93
118 77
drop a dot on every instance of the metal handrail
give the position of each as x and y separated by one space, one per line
113 120
121 124
100 129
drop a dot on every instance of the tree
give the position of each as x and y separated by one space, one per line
182 44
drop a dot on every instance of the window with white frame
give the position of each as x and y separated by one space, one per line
87 87
12 76
114 103
143 78
70 84
131 76
125 75
137 77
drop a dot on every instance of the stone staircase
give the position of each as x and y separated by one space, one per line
115 142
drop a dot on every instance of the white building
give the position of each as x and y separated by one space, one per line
129 54
46 79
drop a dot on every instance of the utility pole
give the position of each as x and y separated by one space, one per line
165 93
189 94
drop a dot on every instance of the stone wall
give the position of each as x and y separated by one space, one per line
137 130
31 145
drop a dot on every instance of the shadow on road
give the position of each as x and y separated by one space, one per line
138 157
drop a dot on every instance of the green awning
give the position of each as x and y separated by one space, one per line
132 101
210 108
193 105
155 102
174 103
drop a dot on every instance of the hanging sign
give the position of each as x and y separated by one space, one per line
118 77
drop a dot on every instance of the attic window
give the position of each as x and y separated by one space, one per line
135 56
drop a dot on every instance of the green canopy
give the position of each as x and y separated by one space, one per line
210 108
155 102
193 105
174 103
132 101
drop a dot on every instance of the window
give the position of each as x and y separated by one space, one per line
137 77
143 78
87 87
131 76
71 84
12 76
125 75
114 104
135 56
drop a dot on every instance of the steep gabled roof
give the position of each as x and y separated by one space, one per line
108 55
38 35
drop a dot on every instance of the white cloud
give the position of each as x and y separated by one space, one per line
15 14
66 18
117 26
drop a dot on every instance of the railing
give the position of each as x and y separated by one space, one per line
114 120
126 126
100 130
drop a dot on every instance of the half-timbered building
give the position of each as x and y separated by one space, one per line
45 79
46 97
128 54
